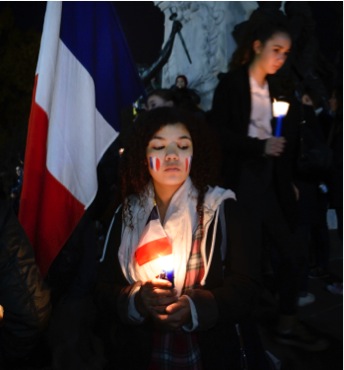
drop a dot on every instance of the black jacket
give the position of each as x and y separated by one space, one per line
230 115
234 283
24 296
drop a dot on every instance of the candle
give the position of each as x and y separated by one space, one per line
167 271
167 275
279 109
1 314
278 126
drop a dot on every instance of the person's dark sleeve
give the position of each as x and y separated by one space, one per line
236 297
242 282
23 293
112 290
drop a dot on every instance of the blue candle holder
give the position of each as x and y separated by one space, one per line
278 131
167 275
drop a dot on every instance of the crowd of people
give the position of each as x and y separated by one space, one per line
210 203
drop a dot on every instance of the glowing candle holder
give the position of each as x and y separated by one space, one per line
167 271
279 109
1 315
167 275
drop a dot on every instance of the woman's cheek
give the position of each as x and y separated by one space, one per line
154 163
188 161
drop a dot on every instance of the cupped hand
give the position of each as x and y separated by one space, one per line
156 295
176 314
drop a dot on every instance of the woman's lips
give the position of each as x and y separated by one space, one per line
172 169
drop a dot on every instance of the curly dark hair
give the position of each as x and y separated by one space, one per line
134 172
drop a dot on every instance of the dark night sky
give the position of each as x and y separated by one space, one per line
143 24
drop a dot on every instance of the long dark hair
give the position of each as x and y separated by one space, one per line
134 172
261 26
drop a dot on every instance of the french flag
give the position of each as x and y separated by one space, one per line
85 76
154 242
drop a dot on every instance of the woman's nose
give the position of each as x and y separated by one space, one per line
171 153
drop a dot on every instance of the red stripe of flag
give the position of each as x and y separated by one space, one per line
60 169
152 250
46 223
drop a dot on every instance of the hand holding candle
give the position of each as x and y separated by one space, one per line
279 109
274 146
154 296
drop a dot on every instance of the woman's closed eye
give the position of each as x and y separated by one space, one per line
181 146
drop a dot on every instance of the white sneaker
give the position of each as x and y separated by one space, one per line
304 300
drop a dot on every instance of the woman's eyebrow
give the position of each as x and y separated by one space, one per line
185 137
156 137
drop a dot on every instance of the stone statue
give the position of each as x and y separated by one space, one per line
207 28
154 69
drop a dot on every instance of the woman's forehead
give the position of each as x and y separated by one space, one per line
172 129
280 38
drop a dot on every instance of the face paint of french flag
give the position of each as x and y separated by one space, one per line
154 163
188 161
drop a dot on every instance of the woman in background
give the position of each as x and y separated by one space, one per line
258 165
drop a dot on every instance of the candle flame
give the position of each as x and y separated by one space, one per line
280 108
166 262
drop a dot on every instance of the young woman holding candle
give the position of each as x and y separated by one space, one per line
257 165
170 210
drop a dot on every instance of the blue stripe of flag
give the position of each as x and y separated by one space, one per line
93 34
